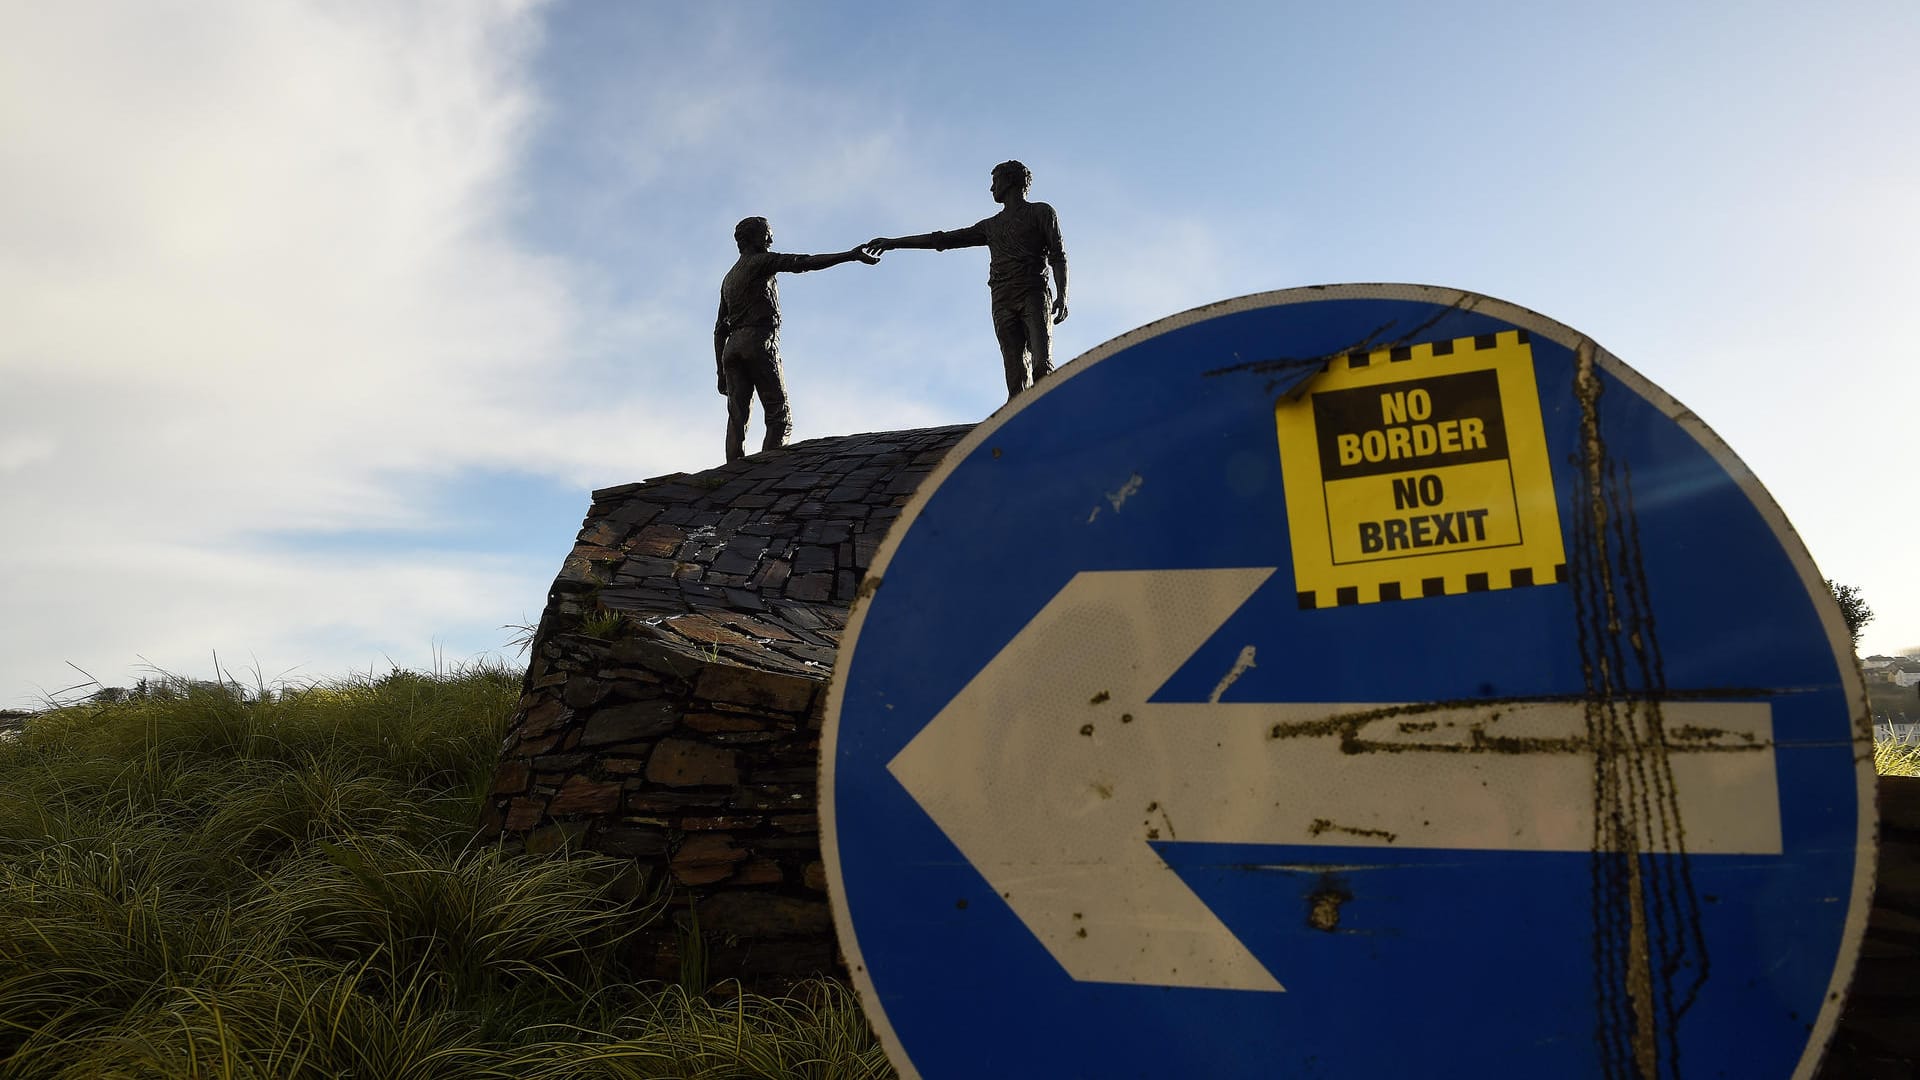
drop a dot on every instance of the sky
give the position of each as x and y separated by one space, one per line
319 322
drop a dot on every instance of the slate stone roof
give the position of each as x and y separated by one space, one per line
755 562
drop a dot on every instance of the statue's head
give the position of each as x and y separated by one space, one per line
1010 177
753 234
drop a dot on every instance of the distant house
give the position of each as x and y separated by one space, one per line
1904 671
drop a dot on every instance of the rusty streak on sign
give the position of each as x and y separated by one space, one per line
1650 953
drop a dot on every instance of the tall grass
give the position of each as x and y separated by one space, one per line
1890 759
200 883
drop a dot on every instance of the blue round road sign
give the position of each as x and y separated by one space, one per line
1348 682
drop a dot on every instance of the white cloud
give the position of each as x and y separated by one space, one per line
109 609
19 451
254 269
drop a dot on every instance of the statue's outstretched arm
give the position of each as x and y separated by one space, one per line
800 264
936 240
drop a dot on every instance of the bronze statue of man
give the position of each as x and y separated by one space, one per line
746 336
1022 240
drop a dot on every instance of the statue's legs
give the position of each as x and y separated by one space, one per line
752 363
739 408
771 383
1021 326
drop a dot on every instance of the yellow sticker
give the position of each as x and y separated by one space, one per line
1420 471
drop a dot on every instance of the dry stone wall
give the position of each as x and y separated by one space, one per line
674 697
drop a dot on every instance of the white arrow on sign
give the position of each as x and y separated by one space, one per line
1051 772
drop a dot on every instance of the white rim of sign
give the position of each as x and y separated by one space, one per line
1531 321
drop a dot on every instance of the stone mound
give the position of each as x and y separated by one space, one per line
673 701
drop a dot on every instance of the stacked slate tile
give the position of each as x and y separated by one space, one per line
675 692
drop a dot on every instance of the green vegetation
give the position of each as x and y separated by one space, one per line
1853 608
1891 760
605 625
1897 703
200 883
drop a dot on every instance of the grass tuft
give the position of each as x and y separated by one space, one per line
817 1033
1893 760
201 882
603 624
